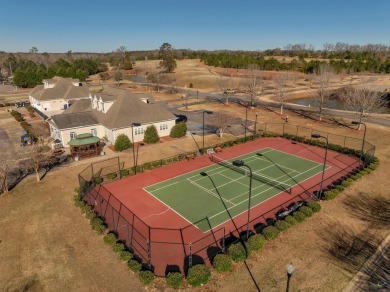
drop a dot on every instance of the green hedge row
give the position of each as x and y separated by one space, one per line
338 189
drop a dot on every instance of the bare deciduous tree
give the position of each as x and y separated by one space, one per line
281 82
221 121
254 82
321 84
155 77
6 164
363 100
225 83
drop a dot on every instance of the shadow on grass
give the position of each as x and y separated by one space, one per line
347 248
373 209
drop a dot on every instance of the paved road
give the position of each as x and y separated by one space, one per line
193 95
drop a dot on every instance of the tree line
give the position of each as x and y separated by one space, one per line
27 73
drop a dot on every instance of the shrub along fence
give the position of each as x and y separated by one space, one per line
180 250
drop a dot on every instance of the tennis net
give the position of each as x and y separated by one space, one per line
271 182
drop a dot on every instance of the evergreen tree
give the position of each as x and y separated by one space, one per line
122 142
151 135
166 54
178 130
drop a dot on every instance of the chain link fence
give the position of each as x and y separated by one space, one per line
169 250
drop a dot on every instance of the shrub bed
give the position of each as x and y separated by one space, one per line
256 242
198 275
270 232
118 247
146 277
291 220
98 225
299 216
110 239
125 255
111 175
222 263
134 265
306 210
281 225
315 206
237 252
124 172
174 280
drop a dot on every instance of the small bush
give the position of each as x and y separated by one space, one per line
134 265
110 239
78 201
270 232
111 175
299 216
291 220
174 280
118 247
122 142
339 188
256 242
346 183
179 130
315 206
98 225
281 225
306 210
151 135
98 180
330 195
237 252
125 255
198 275
222 263
146 277
124 172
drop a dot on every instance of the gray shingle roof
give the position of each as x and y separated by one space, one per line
74 120
127 108
63 89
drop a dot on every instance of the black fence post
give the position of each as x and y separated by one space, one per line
223 240
190 257
149 258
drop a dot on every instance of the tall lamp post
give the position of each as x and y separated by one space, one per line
209 113
290 270
364 135
240 163
255 127
132 140
317 136
246 120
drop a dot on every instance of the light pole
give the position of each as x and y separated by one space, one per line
209 113
132 140
255 126
364 135
240 163
317 136
290 270
246 121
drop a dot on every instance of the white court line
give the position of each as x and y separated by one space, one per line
260 193
163 187
169 207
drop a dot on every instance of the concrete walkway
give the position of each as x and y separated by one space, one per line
375 274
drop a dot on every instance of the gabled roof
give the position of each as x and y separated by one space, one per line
74 120
127 108
63 89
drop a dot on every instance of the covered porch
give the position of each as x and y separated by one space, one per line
85 145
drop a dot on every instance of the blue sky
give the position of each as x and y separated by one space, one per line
103 26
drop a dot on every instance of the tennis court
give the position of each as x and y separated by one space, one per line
220 191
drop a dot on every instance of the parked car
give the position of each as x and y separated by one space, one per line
180 118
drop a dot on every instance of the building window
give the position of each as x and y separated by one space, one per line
163 127
72 135
94 132
138 131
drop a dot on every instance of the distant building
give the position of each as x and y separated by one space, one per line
55 95
110 113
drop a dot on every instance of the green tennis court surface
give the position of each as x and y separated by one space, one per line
199 194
